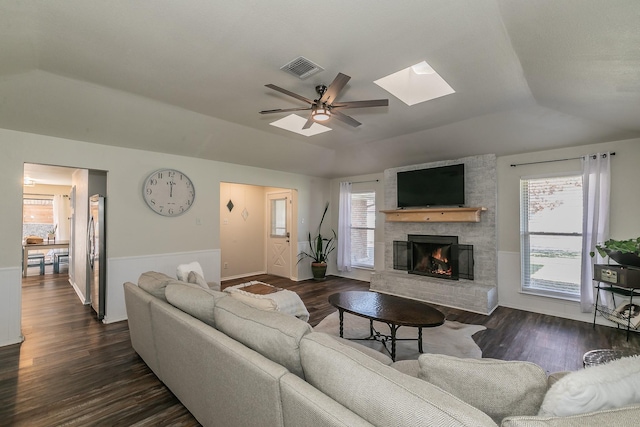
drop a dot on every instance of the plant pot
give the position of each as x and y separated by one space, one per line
319 270
628 259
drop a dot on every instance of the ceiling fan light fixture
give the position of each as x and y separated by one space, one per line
321 114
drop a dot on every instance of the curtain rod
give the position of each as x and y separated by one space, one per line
40 194
559 160
362 182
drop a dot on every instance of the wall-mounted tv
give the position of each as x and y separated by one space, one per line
441 186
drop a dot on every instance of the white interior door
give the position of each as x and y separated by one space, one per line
279 234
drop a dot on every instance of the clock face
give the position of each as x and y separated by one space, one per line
168 192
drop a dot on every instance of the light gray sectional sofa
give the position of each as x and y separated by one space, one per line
231 364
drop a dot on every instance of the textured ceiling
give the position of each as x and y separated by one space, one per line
188 77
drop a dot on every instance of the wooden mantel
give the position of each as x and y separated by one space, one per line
434 215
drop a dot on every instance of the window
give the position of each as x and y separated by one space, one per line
37 216
363 224
279 217
551 235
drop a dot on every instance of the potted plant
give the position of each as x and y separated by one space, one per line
624 252
319 249
51 234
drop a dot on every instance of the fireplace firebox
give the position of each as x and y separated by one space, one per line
436 256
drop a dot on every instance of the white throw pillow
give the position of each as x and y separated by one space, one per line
611 385
498 388
182 271
197 279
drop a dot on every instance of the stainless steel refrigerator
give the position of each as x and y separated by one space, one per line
96 255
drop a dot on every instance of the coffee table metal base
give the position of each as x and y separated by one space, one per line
375 335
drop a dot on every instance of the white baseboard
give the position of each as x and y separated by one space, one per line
240 276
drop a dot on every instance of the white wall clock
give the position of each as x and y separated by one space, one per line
168 192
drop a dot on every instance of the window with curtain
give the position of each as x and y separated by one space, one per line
363 224
551 235
37 216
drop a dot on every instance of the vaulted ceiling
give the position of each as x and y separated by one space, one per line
187 77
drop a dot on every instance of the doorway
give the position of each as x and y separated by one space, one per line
252 240
72 186
46 219
279 207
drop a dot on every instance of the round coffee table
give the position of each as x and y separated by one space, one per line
390 309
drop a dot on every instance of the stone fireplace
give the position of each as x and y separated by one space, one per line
475 243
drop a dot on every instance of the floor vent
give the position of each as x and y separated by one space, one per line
302 67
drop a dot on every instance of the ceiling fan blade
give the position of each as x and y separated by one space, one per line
334 88
361 104
285 110
344 118
286 92
309 122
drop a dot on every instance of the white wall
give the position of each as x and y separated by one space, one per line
624 223
135 232
80 278
371 182
242 241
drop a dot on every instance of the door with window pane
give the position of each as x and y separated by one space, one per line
551 235
279 235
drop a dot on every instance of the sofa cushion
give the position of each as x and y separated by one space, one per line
197 279
305 406
371 352
379 393
408 367
274 335
627 416
498 388
612 385
155 283
182 271
193 300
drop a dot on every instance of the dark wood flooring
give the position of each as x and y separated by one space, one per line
73 370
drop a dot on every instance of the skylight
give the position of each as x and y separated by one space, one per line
415 84
294 123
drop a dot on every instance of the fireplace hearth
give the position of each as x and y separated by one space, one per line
435 256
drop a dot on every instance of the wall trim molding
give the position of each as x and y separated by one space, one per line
11 306
129 269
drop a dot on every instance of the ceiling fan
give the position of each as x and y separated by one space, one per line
326 107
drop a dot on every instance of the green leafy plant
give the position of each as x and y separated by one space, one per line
320 247
53 230
629 246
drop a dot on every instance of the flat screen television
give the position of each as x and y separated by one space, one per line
441 186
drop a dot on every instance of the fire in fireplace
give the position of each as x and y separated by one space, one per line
437 256
434 256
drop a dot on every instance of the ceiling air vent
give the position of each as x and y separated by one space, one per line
302 67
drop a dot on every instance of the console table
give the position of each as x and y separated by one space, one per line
618 280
